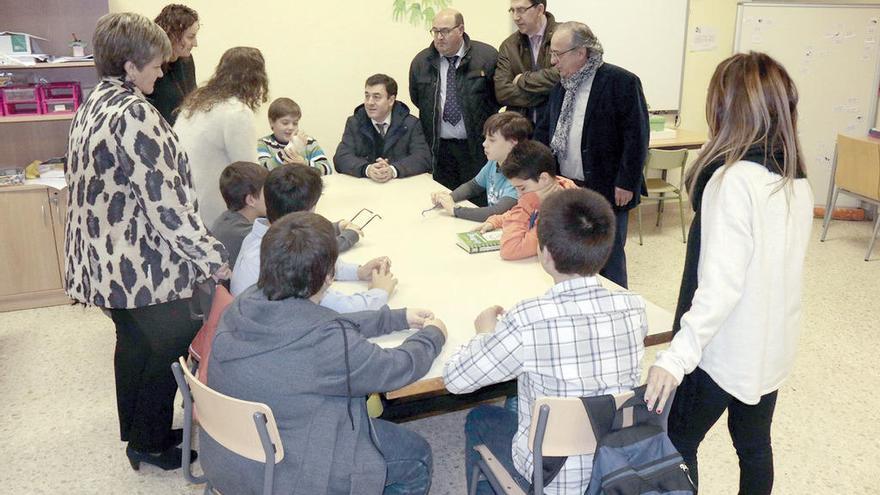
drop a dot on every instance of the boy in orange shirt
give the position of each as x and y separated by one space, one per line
530 169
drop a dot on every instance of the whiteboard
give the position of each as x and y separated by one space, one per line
645 37
831 52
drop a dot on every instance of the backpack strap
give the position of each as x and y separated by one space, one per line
601 411
551 467
634 411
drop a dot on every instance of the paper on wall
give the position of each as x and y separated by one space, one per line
704 39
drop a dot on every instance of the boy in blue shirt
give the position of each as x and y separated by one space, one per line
503 131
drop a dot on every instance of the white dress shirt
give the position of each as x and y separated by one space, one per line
573 164
447 130
387 123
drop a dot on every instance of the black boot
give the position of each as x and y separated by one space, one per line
167 460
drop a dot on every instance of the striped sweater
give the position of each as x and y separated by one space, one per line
269 149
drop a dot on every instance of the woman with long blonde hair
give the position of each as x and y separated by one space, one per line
738 315
216 123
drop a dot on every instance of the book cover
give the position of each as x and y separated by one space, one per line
475 242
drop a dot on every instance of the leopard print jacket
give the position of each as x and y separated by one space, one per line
133 237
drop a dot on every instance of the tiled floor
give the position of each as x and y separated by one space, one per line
58 417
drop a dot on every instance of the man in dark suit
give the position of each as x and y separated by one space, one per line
597 126
381 140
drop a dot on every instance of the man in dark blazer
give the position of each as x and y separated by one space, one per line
597 126
382 140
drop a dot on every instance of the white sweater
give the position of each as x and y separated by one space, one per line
744 322
213 140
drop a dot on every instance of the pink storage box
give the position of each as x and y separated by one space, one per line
60 97
21 100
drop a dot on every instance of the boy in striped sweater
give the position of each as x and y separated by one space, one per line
288 144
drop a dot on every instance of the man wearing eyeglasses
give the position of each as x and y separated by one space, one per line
597 126
524 76
450 82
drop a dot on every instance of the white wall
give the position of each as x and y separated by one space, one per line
319 53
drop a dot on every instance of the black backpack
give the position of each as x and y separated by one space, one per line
634 456
636 459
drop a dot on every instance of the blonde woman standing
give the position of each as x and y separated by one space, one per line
740 301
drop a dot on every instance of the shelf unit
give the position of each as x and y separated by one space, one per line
32 216
49 65
36 118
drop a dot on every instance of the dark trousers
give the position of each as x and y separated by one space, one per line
615 267
455 165
407 459
699 402
148 340
493 427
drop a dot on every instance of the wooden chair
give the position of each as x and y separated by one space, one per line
567 433
855 171
659 189
246 428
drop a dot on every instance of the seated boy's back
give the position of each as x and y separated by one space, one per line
314 368
578 339
241 185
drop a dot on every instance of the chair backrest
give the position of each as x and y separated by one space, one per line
665 159
230 421
858 166
568 430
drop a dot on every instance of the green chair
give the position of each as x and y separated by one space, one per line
659 189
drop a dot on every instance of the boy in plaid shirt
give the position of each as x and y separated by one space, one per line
578 339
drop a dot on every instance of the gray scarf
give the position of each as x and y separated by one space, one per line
559 143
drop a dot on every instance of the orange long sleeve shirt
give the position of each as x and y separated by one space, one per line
519 237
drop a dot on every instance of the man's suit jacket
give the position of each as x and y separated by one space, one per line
614 146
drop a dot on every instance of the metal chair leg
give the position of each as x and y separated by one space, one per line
639 208
874 235
659 210
829 210
681 216
475 478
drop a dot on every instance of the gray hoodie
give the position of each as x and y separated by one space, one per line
314 368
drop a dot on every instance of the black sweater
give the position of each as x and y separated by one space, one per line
178 80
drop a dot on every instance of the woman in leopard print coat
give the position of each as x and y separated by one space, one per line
134 242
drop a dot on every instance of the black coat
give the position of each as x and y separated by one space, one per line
404 145
473 78
614 146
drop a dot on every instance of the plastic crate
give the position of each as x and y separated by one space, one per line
22 100
23 94
60 97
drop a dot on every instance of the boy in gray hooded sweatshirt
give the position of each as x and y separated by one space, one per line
314 368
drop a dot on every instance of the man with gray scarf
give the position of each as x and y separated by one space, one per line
597 126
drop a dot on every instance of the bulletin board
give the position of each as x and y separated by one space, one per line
833 54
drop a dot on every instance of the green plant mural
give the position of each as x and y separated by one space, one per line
418 12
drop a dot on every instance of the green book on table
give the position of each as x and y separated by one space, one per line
475 242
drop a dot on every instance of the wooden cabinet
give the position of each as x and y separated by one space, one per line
31 247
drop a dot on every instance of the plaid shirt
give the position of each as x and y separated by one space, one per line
577 340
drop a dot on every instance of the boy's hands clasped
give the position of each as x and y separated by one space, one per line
378 272
421 318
